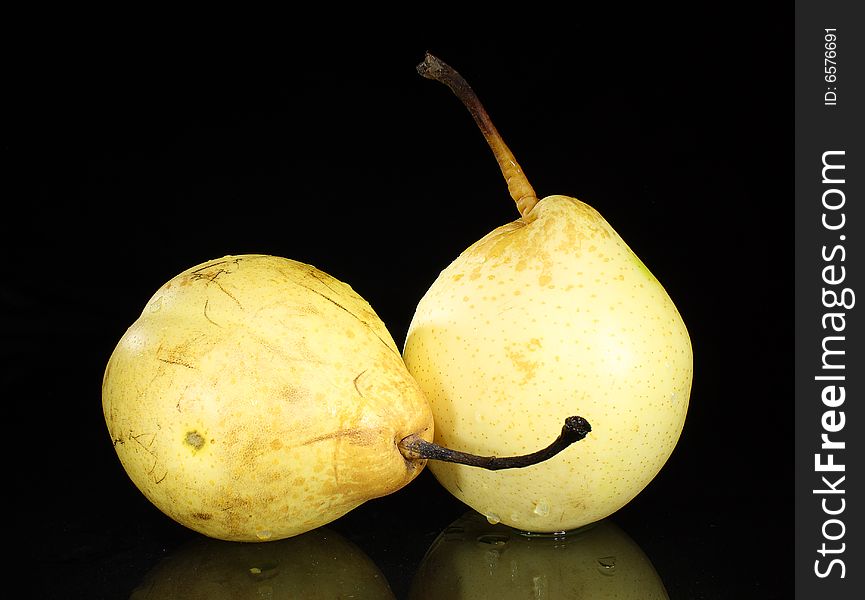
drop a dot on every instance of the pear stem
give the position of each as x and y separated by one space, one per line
518 185
414 447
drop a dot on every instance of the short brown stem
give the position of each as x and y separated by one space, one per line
414 447
518 185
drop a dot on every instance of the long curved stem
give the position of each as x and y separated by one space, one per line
518 184
414 447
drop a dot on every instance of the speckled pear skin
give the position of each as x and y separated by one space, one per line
544 318
257 398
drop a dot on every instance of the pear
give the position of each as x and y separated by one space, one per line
257 397
473 560
550 314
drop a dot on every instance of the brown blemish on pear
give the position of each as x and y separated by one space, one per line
195 440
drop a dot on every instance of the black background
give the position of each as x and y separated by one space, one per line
140 156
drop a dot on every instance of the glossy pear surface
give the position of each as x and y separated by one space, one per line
542 318
475 560
317 564
257 398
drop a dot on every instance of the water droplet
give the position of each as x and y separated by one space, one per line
493 518
264 535
607 565
263 572
542 508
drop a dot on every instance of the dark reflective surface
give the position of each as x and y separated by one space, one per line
472 558
141 159
671 539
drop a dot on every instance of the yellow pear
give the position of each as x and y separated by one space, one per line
551 314
256 398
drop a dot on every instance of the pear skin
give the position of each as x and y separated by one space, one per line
548 316
257 398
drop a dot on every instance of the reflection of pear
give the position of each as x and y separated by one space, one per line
473 559
317 564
